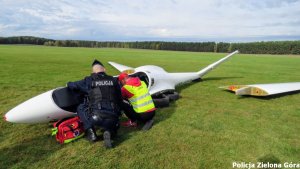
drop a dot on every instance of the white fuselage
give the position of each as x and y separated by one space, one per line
40 108
161 81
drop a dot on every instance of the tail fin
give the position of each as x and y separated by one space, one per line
213 65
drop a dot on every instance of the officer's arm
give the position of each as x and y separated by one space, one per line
118 92
81 85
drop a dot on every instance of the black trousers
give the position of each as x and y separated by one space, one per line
133 116
107 124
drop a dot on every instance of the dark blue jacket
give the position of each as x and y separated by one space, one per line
85 85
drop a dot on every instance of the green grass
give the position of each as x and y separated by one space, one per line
206 128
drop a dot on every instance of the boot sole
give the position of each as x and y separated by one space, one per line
148 125
107 139
92 139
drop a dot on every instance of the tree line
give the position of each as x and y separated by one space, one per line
272 47
24 40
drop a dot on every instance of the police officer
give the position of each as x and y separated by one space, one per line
102 104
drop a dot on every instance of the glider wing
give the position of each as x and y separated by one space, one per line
186 77
120 67
264 89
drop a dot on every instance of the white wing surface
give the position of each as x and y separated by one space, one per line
263 89
186 77
120 67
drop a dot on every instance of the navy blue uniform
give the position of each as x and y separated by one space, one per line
103 112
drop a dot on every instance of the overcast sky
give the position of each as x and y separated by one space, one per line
170 20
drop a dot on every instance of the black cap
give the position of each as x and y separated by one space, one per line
96 62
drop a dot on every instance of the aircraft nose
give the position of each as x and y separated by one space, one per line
15 115
8 117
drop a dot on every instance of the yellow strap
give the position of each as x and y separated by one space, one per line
72 139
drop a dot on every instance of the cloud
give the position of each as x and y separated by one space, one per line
220 20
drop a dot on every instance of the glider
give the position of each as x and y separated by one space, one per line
61 102
159 81
263 89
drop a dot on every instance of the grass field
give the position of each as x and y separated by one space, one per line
207 128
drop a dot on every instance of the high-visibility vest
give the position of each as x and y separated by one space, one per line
141 100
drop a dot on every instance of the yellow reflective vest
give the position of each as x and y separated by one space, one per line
141 100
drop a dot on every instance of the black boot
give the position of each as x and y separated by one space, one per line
148 125
90 135
107 139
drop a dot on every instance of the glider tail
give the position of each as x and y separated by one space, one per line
213 65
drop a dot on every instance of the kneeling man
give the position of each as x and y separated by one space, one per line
141 107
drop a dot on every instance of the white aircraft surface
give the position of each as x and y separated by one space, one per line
263 89
61 102
159 81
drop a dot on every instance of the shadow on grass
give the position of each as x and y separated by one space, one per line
269 158
194 82
28 152
161 114
165 113
220 78
126 133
